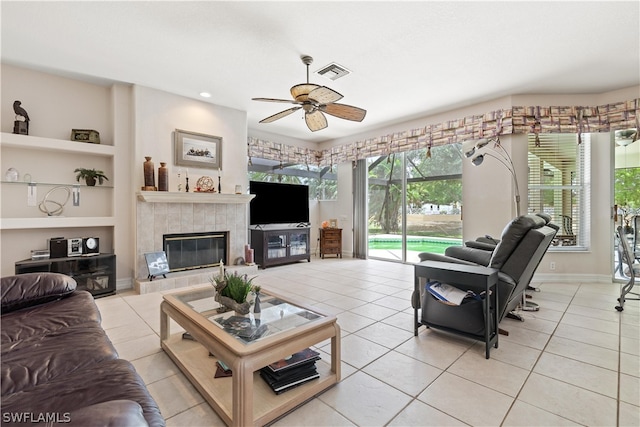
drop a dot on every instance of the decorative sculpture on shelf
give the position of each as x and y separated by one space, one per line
44 204
21 124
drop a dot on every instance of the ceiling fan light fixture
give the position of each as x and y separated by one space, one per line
315 100
301 92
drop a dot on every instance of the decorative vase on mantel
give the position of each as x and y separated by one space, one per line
149 175
163 177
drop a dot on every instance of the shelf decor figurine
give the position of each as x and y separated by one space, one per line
232 290
21 124
149 175
85 135
90 176
256 304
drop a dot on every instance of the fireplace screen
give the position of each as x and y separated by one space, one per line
187 251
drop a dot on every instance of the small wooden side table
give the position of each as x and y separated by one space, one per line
330 242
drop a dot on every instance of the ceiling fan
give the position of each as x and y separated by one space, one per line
315 100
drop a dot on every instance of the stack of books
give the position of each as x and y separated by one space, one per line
292 371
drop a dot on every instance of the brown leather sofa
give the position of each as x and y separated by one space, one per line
58 365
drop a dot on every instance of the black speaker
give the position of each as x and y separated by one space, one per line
90 245
57 247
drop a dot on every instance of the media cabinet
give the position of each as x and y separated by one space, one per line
96 274
280 246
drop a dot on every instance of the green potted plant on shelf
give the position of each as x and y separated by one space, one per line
90 176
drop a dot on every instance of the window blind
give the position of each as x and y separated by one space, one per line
559 185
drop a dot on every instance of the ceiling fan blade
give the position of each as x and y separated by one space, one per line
286 101
343 111
324 95
315 120
280 115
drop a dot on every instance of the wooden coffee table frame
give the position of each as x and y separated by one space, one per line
244 398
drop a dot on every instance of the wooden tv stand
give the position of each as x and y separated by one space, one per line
278 246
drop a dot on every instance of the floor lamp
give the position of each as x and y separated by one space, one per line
476 151
481 147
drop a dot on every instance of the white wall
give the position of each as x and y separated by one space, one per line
157 115
55 104
124 209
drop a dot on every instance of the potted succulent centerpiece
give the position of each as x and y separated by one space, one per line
232 290
90 176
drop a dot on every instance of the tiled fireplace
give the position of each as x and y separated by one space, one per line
161 213
190 251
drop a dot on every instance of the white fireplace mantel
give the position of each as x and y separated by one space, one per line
175 197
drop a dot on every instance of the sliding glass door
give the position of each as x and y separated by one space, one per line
385 206
434 200
414 203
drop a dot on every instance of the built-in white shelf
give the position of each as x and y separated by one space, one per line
48 144
53 184
56 222
175 197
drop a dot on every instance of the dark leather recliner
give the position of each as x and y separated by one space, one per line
523 243
479 251
485 243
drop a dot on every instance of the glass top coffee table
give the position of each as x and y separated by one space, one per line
246 344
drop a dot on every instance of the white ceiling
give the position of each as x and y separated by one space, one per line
408 59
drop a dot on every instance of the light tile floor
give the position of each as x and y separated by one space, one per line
574 362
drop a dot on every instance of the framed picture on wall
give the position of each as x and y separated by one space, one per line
197 150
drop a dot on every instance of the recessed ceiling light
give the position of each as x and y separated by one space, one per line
205 94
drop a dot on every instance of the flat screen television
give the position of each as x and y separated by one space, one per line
277 203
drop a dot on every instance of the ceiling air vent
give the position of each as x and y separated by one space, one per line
333 71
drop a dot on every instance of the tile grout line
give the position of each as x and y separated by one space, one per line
533 366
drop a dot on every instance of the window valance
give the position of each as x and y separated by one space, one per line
514 120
